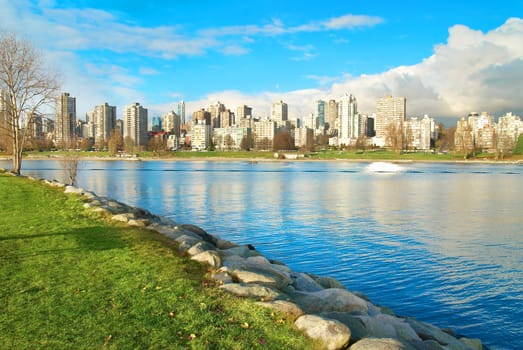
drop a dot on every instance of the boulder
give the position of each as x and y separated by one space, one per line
200 232
305 283
221 277
201 247
186 242
243 251
378 344
286 307
472 343
138 222
223 244
255 270
209 257
430 332
328 282
255 291
329 300
387 326
122 217
333 334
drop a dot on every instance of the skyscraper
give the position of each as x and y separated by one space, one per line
389 110
320 114
279 112
65 121
243 112
331 115
181 111
135 123
104 119
349 123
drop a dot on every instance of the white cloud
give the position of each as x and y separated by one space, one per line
234 50
148 71
473 71
352 21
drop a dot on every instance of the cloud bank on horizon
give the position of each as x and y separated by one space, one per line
105 56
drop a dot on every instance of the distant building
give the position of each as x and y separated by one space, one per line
279 112
201 116
320 114
103 117
156 124
135 124
304 137
232 138
420 133
181 112
65 120
331 116
226 119
464 136
349 122
200 135
171 123
243 112
389 111
509 128
215 111
264 131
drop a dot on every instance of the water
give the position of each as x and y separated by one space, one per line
440 242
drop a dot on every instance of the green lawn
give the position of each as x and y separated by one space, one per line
72 280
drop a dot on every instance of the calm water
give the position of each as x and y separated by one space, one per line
441 242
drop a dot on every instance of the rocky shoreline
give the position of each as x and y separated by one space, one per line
321 307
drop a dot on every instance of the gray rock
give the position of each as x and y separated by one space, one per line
472 343
430 332
221 277
102 210
255 270
166 230
138 222
223 244
305 283
200 248
333 334
377 344
328 282
89 195
357 326
185 242
329 300
387 326
200 232
242 251
286 307
209 257
122 217
251 291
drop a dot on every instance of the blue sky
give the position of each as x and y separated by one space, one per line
447 57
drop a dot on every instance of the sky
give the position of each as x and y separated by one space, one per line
447 58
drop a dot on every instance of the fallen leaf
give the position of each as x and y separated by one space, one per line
245 325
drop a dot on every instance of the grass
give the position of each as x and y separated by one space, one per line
73 280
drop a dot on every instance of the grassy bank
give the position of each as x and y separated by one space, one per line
372 155
72 280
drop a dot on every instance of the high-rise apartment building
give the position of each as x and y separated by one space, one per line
171 123
243 112
264 131
389 110
279 112
215 111
331 115
104 119
320 114
181 111
135 124
349 123
65 120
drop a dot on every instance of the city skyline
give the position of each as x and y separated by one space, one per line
447 59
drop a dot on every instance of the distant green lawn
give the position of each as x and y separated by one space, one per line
72 280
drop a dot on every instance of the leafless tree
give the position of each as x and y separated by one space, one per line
70 162
26 85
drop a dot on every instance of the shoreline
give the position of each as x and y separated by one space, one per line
255 160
